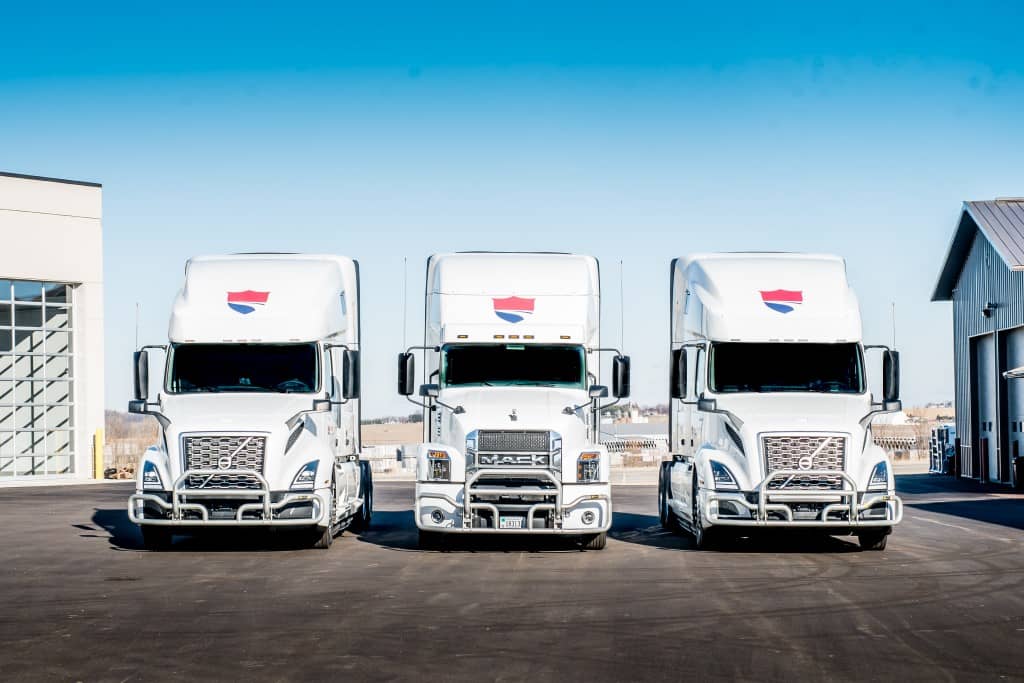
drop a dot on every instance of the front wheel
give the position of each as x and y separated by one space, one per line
666 515
874 539
322 537
703 539
362 518
595 541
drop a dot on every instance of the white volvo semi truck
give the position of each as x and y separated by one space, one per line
512 398
259 401
770 405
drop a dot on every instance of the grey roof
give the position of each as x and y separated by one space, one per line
22 176
1001 221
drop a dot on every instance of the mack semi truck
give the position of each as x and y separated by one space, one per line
512 398
770 404
258 405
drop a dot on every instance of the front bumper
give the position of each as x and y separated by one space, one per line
259 507
845 508
475 507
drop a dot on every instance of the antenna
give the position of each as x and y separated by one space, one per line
894 324
622 309
405 298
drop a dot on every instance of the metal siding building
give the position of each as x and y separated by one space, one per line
983 275
51 328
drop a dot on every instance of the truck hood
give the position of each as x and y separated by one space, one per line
533 408
237 412
800 412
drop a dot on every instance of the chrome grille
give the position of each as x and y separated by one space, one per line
800 452
221 452
513 441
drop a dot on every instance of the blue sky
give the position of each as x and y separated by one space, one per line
631 131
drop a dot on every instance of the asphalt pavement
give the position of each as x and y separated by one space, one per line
81 600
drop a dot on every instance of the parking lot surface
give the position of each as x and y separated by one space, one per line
81 600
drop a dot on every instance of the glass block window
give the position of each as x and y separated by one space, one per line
37 427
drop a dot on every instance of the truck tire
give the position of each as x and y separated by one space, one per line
874 539
323 537
595 541
430 540
703 539
361 520
666 515
156 537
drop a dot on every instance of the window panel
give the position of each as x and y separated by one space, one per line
7 418
58 342
6 392
28 291
28 417
6 443
57 367
28 341
58 464
57 318
27 315
28 392
6 363
26 465
56 293
57 392
58 442
58 417
5 290
6 315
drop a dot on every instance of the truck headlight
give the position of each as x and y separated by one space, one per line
305 480
724 479
588 466
151 477
439 466
879 478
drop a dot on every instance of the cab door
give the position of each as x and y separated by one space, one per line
341 433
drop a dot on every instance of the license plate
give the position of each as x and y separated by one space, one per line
510 522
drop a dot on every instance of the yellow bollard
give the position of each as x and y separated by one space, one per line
97 454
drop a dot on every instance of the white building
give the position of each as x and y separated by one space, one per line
51 328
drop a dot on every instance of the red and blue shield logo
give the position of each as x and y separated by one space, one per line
247 301
782 300
513 309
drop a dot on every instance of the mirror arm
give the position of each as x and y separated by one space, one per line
417 403
609 405
605 349
422 348
457 410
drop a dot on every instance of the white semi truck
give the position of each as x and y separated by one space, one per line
259 403
770 406
512 398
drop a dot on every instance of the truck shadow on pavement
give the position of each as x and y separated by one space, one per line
125 535
646 530
396 530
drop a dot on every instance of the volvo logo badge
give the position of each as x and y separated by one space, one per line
513 416
806 462
224 463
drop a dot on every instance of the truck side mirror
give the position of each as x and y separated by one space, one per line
350 374
597 391
620 376
679 374
406 374
430 390
141 375
891 376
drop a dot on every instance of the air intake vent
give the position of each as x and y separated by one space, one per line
513 441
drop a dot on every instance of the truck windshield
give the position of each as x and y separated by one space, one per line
762 368
281 368
513 364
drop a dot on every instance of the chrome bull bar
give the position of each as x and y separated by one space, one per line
559 507
263 505
844 500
